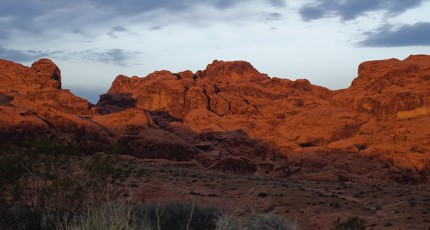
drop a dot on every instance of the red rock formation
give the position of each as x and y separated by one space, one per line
232 117
35 106
390 88
47 73
231 72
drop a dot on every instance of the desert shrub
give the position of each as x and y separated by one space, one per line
111 216
118 148
106 168
353 223
68 148
39 191
225 222
334 204
121 216
175 216
412 202
21 216
24 217
262 194
268 222
171 216
10 170
408 177
101 167
45 145
8 149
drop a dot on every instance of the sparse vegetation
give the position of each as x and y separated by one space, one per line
51 190
268 222
334 204
262 194
175 215
118 148
225 222
108 168
45 145
412 202
353 223
45 189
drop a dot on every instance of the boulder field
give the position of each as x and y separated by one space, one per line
231 117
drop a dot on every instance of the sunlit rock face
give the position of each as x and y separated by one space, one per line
391 88
231 117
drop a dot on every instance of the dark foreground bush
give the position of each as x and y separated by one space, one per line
353 223
27 218
47 186
268 222
175 216
120 216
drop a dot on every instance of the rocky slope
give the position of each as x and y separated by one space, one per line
231 117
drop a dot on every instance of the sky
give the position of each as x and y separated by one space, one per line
93 41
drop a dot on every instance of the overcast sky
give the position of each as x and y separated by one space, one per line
92 41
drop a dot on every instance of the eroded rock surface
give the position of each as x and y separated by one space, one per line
231 117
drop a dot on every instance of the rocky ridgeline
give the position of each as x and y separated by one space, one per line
231 117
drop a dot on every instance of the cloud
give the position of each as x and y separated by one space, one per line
395 36
352 9
112 56
118 29
115 30
156 28
272 16
51 23
277 3
39 17
4 34
26 55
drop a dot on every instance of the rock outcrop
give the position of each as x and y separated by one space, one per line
390 88
33 105
231 117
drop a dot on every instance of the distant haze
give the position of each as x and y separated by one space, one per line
322 40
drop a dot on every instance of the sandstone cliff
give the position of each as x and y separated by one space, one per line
232 117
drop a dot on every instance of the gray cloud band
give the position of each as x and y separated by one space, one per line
25 55
39 17
396 36
351 9
112 56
